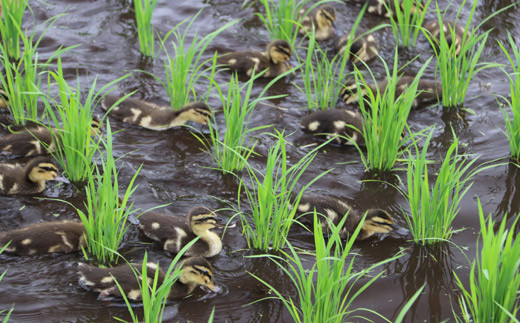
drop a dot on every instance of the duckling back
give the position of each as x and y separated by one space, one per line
332 122
459 33
45 237
30 141
363 48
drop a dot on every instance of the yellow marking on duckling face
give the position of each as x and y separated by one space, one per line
134 294
156 225
26 242
304 207
107 280
313 126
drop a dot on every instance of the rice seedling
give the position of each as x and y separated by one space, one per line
11 24
407 20
494 281
385 118
269 199
143 17
106 217
513 124
328 289
434 207
185 66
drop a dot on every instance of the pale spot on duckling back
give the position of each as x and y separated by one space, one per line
107 280
14 188
26 242
156 225
304 207
313 126
135 114
339 125
134 294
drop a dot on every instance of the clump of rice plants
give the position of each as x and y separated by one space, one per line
107 215
11 25
185 66
269 198
143 17
494 281
513 124
407 20
385 119
326 291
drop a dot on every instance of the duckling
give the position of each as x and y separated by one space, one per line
3 99
363 49
275 60
427 91
376 221
174 232
322 18
196 271
152 116
45 237
459 31
31 179
334 122
385 8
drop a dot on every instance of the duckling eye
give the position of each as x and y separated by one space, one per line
47 169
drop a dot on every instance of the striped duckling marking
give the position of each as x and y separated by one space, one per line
196 271
45 237
343 125
322 18
152 116
364 48
385 8
31 179
174 232
275 60
454 33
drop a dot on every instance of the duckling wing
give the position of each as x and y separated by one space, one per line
30 142
244 62
162 227
12 178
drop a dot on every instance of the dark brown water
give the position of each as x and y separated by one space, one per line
175 171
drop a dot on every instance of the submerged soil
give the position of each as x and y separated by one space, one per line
177 170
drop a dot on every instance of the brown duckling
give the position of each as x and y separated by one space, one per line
333 122
322 18
196 271
35 140
3 99
364 48
427 91
174 232
376 221
152 116
45 237
433 28
275 60
31 179
384 8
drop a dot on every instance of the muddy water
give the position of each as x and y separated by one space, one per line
175 171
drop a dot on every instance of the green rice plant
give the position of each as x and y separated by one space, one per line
185 66
328 289
269 199
407 20
143 17
513 124
433 207
11 24
107 215
385 118
494 280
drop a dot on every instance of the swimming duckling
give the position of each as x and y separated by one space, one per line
196 271
275 60
322 18
31 179
35 140
384 8
427 91
376 221
458 30
333 122
152 116
45 237
362 49
174 232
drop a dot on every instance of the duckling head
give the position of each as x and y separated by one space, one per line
95 126
325 16
197 112
42 169
197 271
202 219
279 51
376 221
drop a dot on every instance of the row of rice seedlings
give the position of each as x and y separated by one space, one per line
107 214
494 281
8 314
407 20
11 24
385 118
513 124
328 289
186 66
269 198
143 16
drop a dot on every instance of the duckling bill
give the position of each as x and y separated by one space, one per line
344 125
195 272
45 237
31 179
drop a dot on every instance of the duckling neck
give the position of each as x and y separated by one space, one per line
182 287
39 184
211 239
